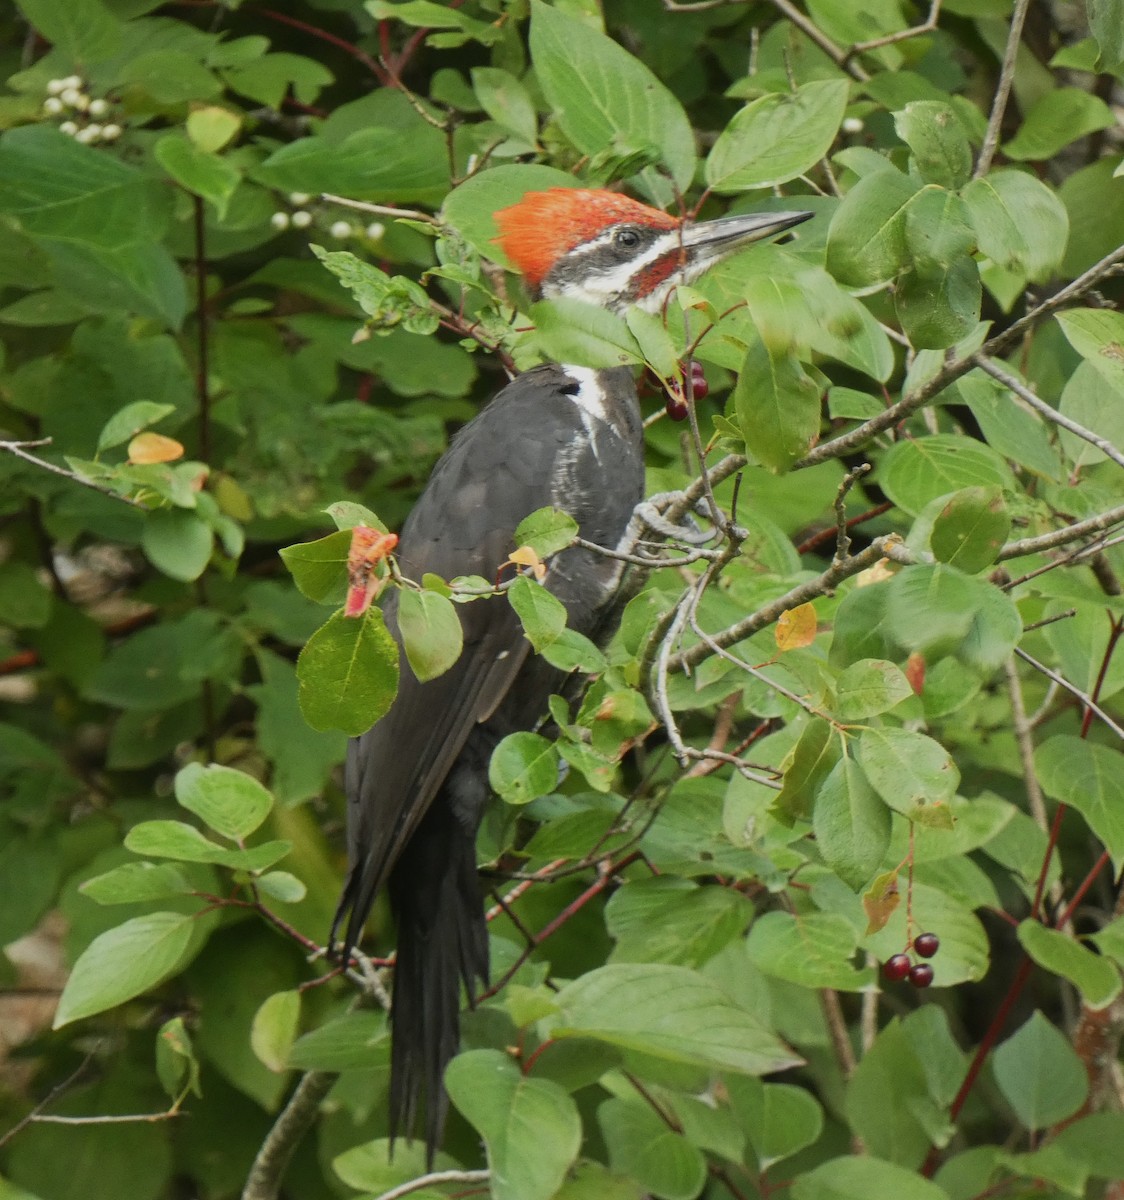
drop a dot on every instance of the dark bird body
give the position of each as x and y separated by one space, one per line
570 437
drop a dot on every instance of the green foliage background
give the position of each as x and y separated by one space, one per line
709 892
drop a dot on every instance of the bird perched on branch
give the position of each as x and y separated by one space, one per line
566 436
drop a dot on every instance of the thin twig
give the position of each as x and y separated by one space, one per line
813 32
890 39
1073 690
1002 90
19 449
1048 411
380 210
434 1177
1061 537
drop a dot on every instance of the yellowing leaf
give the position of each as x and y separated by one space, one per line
147 448
525 556
880 900
796 627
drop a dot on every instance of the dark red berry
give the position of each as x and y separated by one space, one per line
921 975
896 967
926 944
676 409
700 389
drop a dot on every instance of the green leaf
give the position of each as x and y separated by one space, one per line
543 615
355 1040
431 632
60 189
348 673
136 882
1057 118
1020 224
546 531
854 1178
971 529
274 1028
319 568
964 953
939 306
778 406
212 127
851 823
283 886
650 332
642 1146
781 1119
198 170
84 30
229 802
268 78
669 1012
176 1065
506 101
932 130
129 421
378 1166
25 603
524 765
531 1127
1106 20
671 920
123 963
1095 977
395 166
603 97
178 840
178 543
471 207
1097 334
1039 1074
911 772
866 243
571 331
777 137
915 471
807 764
868 688
1087 777
391 301
811 950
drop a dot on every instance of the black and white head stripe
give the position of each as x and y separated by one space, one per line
629 264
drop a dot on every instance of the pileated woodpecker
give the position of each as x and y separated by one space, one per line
566 436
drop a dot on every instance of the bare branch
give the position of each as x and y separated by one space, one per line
812 31
1048 411
380 210
1061 537
890 39
1086 700
434 1177
20 450
1003 89
296 1118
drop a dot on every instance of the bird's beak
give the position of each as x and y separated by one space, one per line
708 241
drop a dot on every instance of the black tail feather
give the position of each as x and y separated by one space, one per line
442 942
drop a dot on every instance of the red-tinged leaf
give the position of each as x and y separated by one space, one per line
369 547
915 672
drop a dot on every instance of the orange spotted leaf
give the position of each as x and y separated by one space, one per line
369 547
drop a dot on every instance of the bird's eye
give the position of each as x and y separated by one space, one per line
626 239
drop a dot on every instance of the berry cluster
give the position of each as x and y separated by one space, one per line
301 218
83 115
679 392
901 966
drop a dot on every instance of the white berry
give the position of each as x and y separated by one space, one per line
98 108
53 106
72 81
302 219
54 86
341 230
375 230
71 96
110 133
90 134
299 198
279 220
69 128
852 125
